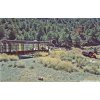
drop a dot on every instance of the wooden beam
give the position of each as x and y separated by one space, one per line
38 46
33 46
4 47
23 41
0 47
9 47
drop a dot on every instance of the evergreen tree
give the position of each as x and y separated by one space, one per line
12 35
2 32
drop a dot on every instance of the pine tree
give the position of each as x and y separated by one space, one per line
12 35
2 32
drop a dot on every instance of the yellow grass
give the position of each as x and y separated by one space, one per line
68 60
58 53
41 54
57 64
98 56
5 57
13 57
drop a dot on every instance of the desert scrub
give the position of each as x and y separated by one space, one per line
81 62
57 64
48 61
76 51
5 57
63 60
75 58
13 57
69 56
66 66
66 55
93 68
58 53
40 54
20 64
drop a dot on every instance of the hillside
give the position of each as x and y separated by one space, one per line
59 66
66 31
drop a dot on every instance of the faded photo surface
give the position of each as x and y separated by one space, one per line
49 49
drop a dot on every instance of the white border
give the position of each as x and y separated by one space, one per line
49 9
50 91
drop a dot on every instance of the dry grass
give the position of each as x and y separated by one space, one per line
91 78
58 53
70 61
5 57
40 54
20 64
81 62
93 68
57 64
98 56
13 57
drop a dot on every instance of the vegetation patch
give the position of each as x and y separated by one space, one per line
5 57
10 65
40 54
31 67
13 57
20 64
57 64
70 61
93 68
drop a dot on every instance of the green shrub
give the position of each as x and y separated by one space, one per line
93 68
81 62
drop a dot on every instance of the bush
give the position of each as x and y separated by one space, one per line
93 68
40 54
70 61
5 57
13 57
58 54
48 60
57 64
81 62
67 66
